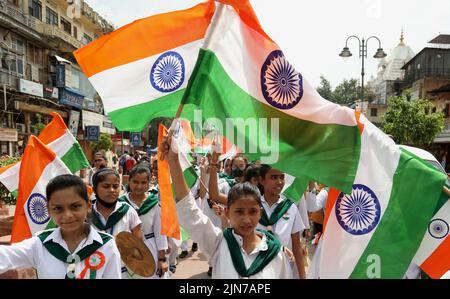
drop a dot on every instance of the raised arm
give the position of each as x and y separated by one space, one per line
214 193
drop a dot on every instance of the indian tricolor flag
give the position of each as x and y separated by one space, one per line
243 78
433 256
39 165
375 230
142 69
57 136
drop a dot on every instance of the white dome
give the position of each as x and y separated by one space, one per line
390 67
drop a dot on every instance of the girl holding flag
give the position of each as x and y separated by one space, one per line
239 251
147 206
109 214
74 249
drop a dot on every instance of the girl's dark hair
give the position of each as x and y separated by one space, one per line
244 189
66 181
252 171
240 156
101 175
264 169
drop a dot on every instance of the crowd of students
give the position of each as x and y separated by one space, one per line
235 214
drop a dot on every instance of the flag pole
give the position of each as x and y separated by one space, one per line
209 34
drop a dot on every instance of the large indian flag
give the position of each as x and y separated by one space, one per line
39 165
142 69
376 230
243 76
57 136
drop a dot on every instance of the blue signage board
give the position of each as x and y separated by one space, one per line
136 139
71 98
92 133
61 75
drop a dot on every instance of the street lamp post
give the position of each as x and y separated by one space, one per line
363 55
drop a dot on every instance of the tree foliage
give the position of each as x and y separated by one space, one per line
346 93
105 143
412 122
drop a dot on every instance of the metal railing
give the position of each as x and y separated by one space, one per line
438 73
9 78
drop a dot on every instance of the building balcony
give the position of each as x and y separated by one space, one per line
11 79
14 17
52 31
436 73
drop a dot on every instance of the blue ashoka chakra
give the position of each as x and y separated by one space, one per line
281 84
438 228
358 213
167 73
37 209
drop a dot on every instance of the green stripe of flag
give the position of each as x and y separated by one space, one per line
75 158
126 120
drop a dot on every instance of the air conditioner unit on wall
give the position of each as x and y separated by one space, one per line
21 128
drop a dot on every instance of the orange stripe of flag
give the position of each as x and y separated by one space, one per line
54 130
145 37
247 15
331 201
360 125
3 169
439 262
170 226
36 157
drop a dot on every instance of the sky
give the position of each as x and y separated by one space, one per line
313 33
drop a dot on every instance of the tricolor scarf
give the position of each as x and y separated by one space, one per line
261 261
279 211
64 256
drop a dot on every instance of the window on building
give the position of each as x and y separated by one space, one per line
446 111
373 112
35 9
34 54
86 39
66 26
75 32
51 16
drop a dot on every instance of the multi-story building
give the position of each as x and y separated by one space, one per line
427 75
38 72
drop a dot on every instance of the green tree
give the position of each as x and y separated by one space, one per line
347 92
412 122
105 143
325 89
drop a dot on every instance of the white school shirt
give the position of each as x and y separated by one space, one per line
213 244
151 231
317 202
31 253
287 225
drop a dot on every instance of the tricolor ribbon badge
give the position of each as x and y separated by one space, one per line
93 263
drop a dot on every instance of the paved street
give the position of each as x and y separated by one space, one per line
194 266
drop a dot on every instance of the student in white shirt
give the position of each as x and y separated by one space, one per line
109 214
74 249
281 215
239 251
147 206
